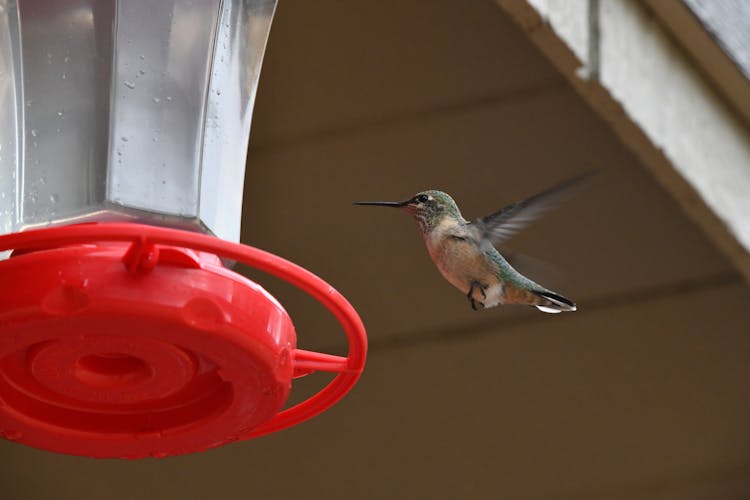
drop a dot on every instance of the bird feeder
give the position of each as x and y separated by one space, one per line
123 131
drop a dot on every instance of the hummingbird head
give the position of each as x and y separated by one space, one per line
428 208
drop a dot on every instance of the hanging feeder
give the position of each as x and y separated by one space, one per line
123 127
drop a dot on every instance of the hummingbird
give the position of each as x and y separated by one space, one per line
466 252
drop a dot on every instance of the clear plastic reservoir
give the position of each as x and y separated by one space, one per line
127 110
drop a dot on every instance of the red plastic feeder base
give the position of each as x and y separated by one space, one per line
123 340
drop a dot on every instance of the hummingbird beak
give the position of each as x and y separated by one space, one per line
395 204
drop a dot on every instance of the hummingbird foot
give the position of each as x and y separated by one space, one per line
470 295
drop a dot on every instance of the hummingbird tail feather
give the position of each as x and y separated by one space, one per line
554 303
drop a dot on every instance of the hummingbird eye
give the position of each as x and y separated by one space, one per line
422 198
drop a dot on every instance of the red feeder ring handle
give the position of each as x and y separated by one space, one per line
143 237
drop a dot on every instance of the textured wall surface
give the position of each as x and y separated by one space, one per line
662 107
728 21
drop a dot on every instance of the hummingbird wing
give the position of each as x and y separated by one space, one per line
501 225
